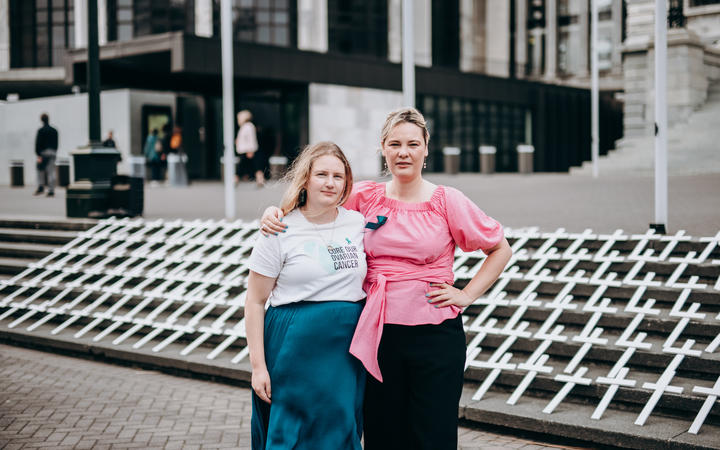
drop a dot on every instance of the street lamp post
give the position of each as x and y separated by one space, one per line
594 96
661 169
408 54
89 195
226 44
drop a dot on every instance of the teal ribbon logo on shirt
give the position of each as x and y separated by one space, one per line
380 222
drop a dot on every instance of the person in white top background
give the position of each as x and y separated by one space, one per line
246 146
307 388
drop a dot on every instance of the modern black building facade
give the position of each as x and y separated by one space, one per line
309 70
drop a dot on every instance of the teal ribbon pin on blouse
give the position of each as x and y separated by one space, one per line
380 222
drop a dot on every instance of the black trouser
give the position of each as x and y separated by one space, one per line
416 405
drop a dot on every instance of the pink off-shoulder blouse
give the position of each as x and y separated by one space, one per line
414 247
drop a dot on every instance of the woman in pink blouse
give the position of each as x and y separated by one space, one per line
410 336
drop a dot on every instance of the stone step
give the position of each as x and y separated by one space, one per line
573 420
14 266
41 236
45 224
545 386
25 251
613 323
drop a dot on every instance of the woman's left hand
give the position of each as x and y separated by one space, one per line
446 295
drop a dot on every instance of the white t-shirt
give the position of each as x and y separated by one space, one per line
304 267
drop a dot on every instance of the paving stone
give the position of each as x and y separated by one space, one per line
89 385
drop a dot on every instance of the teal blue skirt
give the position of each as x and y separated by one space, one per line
317 385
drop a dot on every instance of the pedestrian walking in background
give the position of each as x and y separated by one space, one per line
176 159
109 141
46 145
164 144
246 146
308 389
153 151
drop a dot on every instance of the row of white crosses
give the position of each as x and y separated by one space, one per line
186 264
602 277
180 265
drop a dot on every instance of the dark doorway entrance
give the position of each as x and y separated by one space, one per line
280 117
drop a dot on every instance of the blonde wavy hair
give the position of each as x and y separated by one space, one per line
404 115
299 174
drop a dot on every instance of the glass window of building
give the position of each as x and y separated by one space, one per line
162 16
468 124
40 31
120 20
446 33
272 22
358 27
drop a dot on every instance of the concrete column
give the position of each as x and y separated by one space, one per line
537 34
640 22
395 31
423 32
583 33
102 22
616 57
551 31
497 41
472 35
4 35
80 19
521 56
312 25
636 114
203 18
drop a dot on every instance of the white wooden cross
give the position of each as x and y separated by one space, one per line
715 342
685 316
610 241
712 396
536 363
499 360
662 385
570 382
618 374
647 280
672 281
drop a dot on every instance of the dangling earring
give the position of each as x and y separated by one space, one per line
302 198
425 163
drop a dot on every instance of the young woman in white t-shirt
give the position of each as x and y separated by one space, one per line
308 389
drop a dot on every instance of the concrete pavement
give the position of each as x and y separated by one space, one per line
61 402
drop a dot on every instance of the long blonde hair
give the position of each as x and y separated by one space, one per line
299 174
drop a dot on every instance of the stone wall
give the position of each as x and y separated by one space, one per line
352 118
120 111
691 67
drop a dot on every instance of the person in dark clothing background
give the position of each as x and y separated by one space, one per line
46 145
110 141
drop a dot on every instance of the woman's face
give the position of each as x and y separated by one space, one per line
326 183
405 151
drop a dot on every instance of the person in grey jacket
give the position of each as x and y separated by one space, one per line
46 145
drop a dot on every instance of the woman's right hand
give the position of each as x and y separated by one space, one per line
271 221
261 384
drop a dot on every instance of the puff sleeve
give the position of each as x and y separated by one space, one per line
470 227
363 192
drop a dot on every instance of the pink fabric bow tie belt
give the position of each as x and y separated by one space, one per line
368 333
